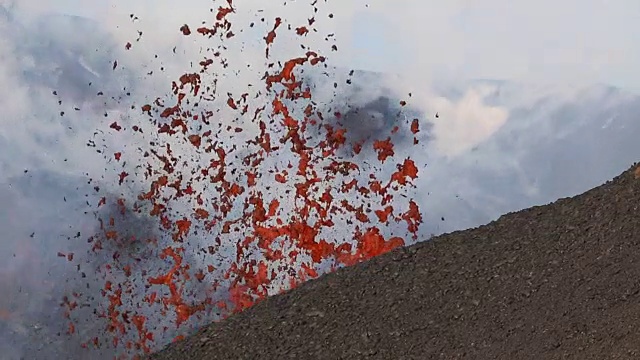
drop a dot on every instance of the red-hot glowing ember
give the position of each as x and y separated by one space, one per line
281 219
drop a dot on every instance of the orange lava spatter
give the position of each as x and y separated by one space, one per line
285 201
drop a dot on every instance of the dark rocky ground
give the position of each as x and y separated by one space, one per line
560 281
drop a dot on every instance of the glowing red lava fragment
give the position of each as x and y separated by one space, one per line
281 178
271 36
415 126
309 271
407 170
183 226
372 243
413 217
383 215
357 148
122 176
178 338
222 12
115 126
384 149
185 30
201 214
195 140
273 207
232 104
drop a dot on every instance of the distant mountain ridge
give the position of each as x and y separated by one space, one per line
557 142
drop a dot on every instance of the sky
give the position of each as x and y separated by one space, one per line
569 41
544 133
577 41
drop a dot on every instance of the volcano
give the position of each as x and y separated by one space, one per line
552 144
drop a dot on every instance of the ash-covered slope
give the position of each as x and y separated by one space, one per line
554 281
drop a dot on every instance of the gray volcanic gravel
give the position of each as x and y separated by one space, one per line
560 281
